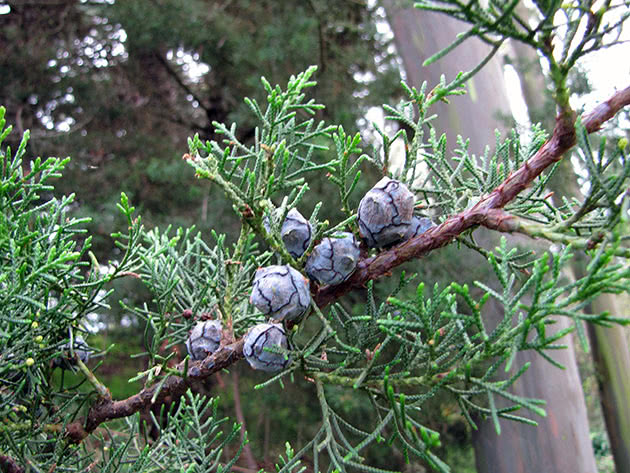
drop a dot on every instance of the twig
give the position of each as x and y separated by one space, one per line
248 455
511 224
100 388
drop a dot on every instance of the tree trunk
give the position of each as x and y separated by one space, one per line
609 346
561 441
418 35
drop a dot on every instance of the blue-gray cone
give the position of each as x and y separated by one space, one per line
204 339
385 213
418 225
66 361
334 259
281 292
263 336
296 232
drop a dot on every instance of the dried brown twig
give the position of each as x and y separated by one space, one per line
487 212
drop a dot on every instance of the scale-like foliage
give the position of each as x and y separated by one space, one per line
49 283
195 438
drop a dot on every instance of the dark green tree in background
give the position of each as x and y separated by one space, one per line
121 86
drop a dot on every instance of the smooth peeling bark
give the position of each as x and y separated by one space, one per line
560 443
418 35
609 346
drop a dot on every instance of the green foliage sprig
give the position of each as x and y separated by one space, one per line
49 283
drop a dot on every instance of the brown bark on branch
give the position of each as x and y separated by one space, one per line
594 120
173 387
9 465
486 212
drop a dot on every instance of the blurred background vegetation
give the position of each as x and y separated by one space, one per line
120 86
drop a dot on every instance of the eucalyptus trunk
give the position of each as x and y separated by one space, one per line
561 441
612 363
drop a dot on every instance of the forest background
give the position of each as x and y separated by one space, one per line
120 86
